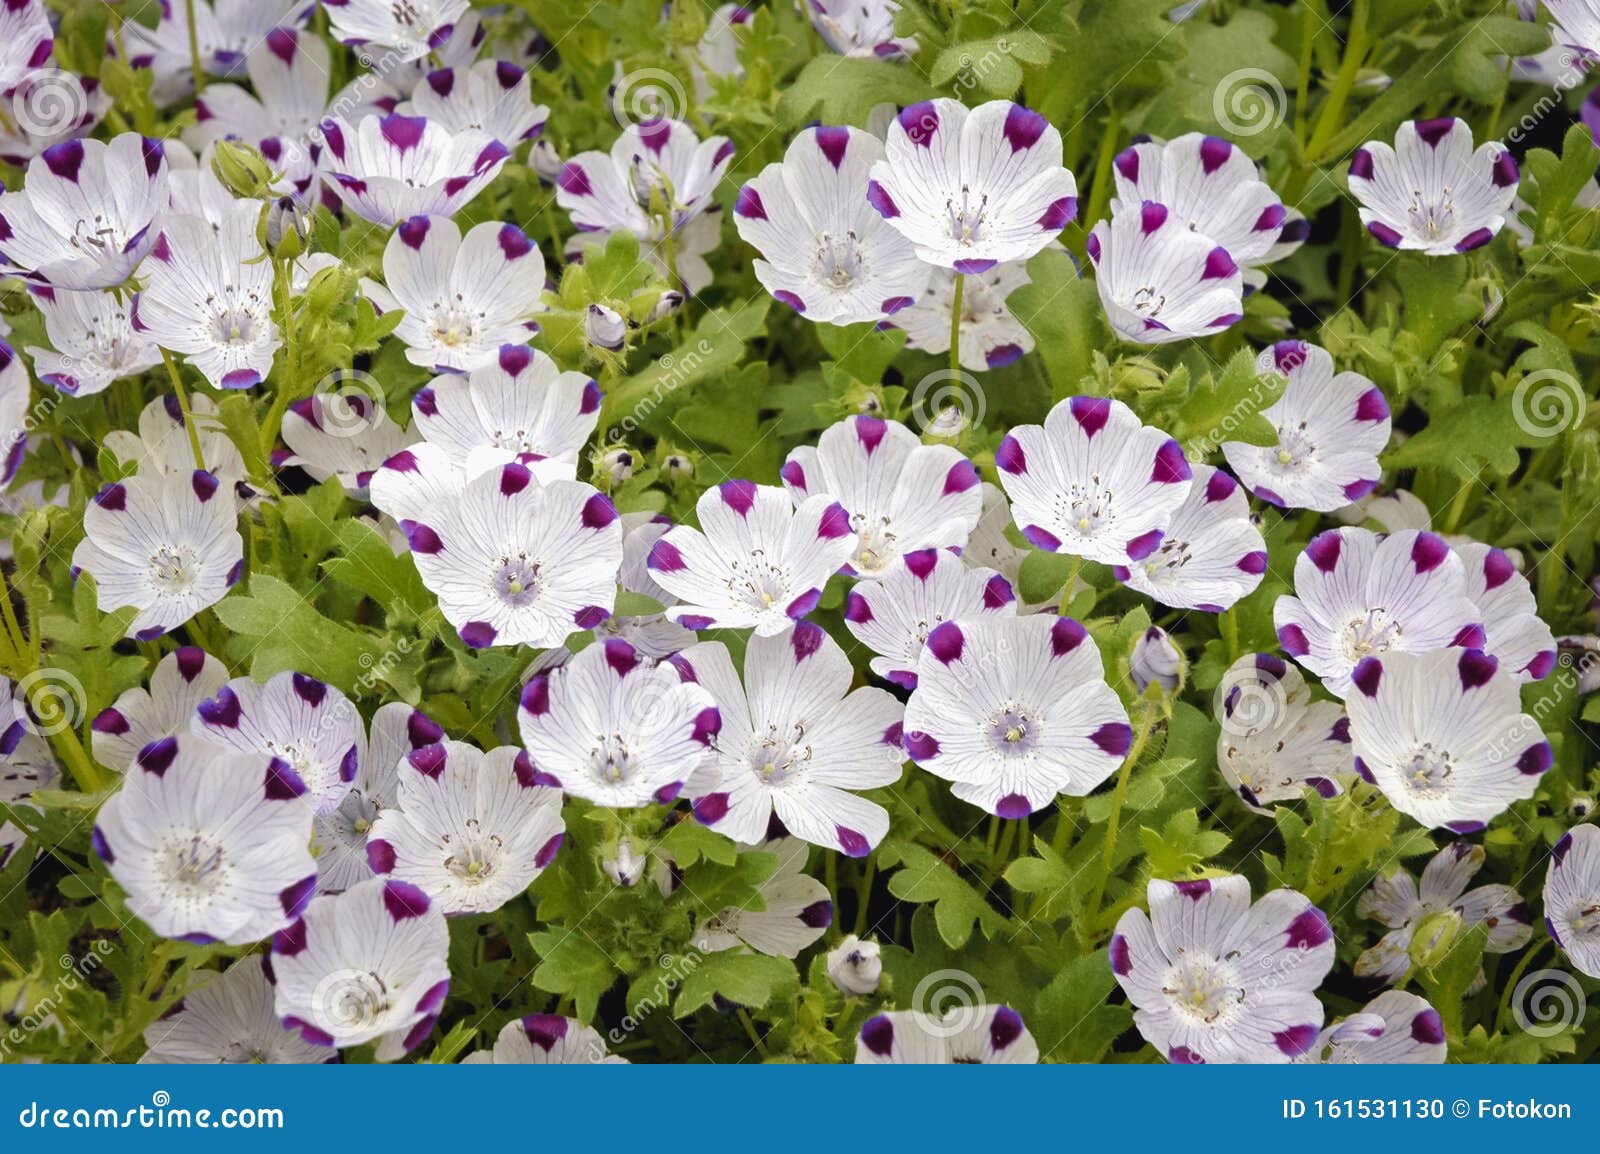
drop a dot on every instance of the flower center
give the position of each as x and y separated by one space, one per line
1086 509
1372 632
473 856
966 216
839 259
1147 302
1013 729
1429 769
236 325
1434 218
610 761
172 569
875 544
191 868
757 582
781 757
516 578
97 236
453 324
1203 989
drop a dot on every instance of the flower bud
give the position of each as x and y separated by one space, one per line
546 161
624 866
1156 660
617 465
604 328
242 170
1434 938
677 467
855 967
285 228
666 304
1580 807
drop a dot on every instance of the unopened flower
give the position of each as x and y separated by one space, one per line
970 188
1155 661
1443 735
211 845
1216 979
859 28
1430 191
604 328
855 967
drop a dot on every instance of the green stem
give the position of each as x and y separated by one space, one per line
1100 192
750 1029
1355 51
1119 798
864 894
1064 598
1230 634
955 324
194 49
183 407
1008 835
85 772
282 276
1516 975
1308 36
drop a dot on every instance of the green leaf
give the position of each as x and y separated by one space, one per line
1062 310
748 980
279 629
573 966
844 90
925 877
1072 1020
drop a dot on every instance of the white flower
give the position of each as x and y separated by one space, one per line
168 545
16 394
990 548
655 634
991 337
387 169
463 298
161 446
967 1035
344 435
658 165
26 41
83 217
617 729
363 965
410 30
1331 429
341 833
1513 631
208 295
1013 711
855 967
717 54
225 33
861 28
900 494
1093 481
289 71
795 909
1430 191
181 681
1211 555
1160 281
1576 25
1395 1028
491 96
26 763
827 253
795 741
893 615
1358 594
546 1040
756 560
1211 186
305 722
227 1019
94 341
1443 735
1398 902
1572 897
471 829
972 188
1216 979
211 845
521 402
515 561
1275 741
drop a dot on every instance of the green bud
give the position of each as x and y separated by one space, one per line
242 170
1434 938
